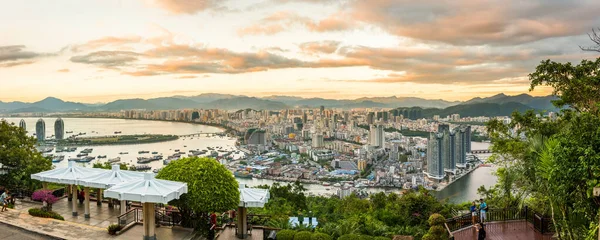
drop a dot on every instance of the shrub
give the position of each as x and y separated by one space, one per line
36 212
364 237
320 236
286 234
381 238
44 196
350 237
113 229
303 235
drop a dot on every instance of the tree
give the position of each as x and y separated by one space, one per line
19 156
437 230
552 164
211 187
596 39
46 197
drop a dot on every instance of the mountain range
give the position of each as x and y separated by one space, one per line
234 102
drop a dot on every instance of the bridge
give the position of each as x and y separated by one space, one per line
202 134
482 151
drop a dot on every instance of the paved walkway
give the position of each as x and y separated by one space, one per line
515 230
20 222
11 232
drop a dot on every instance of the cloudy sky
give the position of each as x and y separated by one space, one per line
98 51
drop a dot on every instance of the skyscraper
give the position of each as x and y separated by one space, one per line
376 136
435 168
370 118
321 110
59 129
317 140
23 125
40 130
460 155
468 139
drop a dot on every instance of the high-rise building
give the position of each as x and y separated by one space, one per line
317 140
370 118
22 124
40 130
304 118
322 110
443 127
435 164
376 136
448 151
460 153
468 138
59 129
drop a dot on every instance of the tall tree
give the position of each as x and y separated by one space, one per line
19 157
211 187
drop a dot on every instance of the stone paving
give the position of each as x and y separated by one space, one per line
78 227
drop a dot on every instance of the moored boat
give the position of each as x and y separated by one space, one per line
114 160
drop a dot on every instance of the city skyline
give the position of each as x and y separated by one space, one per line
100 51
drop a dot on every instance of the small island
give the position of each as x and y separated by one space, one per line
117 140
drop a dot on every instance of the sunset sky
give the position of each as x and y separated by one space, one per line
99 51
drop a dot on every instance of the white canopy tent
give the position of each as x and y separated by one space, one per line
106 180
69 175
249 197
147 190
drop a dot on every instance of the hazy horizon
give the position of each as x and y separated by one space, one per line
100 51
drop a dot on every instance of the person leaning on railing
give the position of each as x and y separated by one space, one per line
483 208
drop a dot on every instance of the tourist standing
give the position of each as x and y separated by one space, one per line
483 208
231 216
481 234
213 226
474 213
4 200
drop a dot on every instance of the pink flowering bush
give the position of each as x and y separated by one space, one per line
46 197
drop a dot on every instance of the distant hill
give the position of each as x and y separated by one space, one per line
55 104
207 97
542 103
465 110
243 103
235 102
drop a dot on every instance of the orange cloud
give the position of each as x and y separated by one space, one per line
281 21
186 6
319 47
64 70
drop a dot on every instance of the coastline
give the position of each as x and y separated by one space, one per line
223 129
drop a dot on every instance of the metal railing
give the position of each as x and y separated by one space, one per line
540 223
168 217
134 215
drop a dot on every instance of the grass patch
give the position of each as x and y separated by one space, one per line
36 212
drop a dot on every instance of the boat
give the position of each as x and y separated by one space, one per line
337 185
47 150
154 152
142 167
156 170
143 160
118 132
101 156
114 160
82 154
123 153
214 153
58 158
176 150
184 145
242 174
69 132
75 159
326 184
142 152
87 150
71 149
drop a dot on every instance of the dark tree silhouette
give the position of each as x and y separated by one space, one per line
595 37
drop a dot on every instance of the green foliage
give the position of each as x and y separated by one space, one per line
303 235
320 236
211 187
552 164
437 230
36 212
107 165
286 234
355 237
381 238
576 86
19 155
113 228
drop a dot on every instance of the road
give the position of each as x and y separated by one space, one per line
10 232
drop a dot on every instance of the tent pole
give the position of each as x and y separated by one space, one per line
74 199
87 202
149 221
